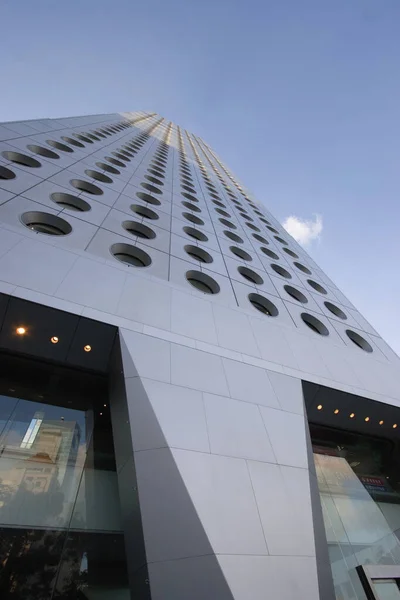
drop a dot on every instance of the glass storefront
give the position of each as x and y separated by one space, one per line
359 484
60 525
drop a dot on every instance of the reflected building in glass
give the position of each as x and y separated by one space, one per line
190 409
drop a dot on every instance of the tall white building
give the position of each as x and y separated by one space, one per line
231 421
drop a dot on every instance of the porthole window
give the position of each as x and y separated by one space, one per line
59 146
232 236
196 234
144 212
154 180
156 172
253 227
335 310
218 203
21 159
316 286
314 324
121 156
191 206
260 238
240 253
193 218
98 176
71 141
358 340
290 252
139 230
190 197
269 253
280 240
263 305
296 294
198 254
43 151
189 188
272 229
86 186
251 275
227 223
202 282
222 212
302 268
93 137
42 222
6 173
151 188
70 202
130 255
107 168
148 198
114 161
262 218
281 271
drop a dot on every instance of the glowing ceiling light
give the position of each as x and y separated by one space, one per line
319 407
352 415
54 339
380 422
366 419
21 330
395 425
87 348
336 411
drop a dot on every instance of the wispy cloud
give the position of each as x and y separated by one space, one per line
304 231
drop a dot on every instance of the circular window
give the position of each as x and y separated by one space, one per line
42 222
272 229
59 146
93 137
107 168
114 161
263 305
190 197
157 172
159 162
335 310
151 188
218 203
98 176
222 212
296 294
269 253
253 227
86 186
144 212
314 324
42 151
193 218
196 234
215 196
6 173
121 156
139 230
154 180
262 218
280 240
202 282
73 142
240 253
227 224
21 159
130 255
290 252
187 179
189 188
302 268
198 254
250 275
148 198
358 340
316 286
70 202
281 271
260 238
234 237
191 206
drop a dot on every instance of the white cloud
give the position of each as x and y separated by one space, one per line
304 231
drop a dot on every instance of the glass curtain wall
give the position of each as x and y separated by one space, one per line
60 529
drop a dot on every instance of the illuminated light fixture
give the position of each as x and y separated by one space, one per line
319 407
21 330
87 348
101 414
104 405
336 411
395 425
54 339
352 415
366 419
380 422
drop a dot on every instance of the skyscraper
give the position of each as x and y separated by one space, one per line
190 409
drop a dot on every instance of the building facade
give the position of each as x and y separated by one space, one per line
190 408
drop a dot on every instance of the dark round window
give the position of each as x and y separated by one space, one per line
251 275
202 282
281 271
335 310
198 254
290 252
227 224
43 151
86 186
98 176
148 198
263 305
260 238
193 218
42 222
314 324
358 340
144 212
21 159
6 173
196 234
107 168
302 268
240 253
70 202
151 188
139 230
316 286
130 255
295 293
232 236
59 146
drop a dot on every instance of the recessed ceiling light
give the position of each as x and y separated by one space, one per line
87 348
380 422
336 411
352 415
54 339
319 407
21 330
394 426
366 419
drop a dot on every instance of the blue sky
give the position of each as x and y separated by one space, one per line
301 98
